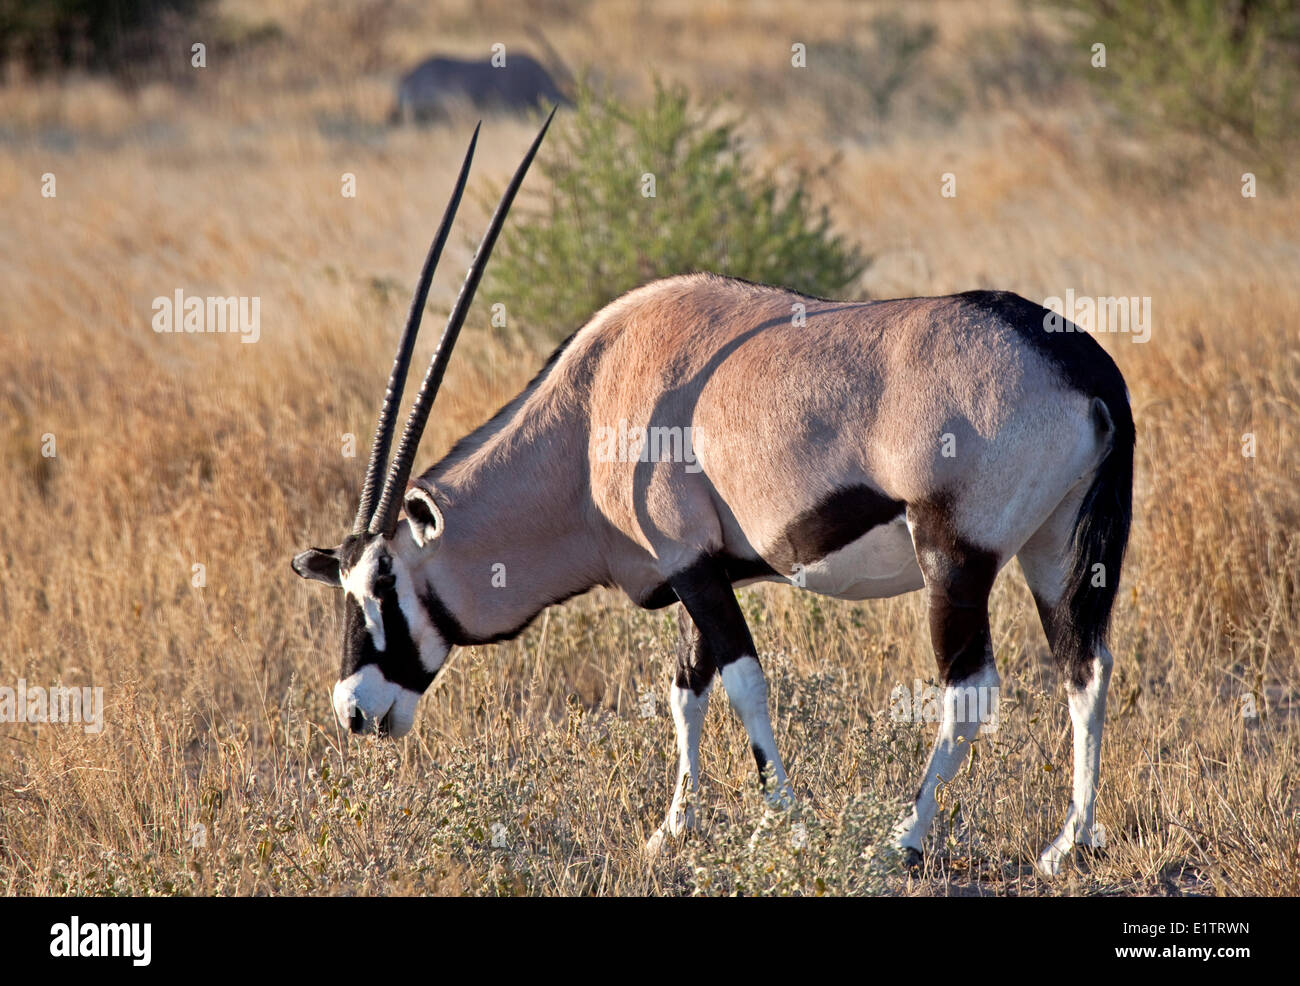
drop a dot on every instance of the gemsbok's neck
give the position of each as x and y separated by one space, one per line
521 533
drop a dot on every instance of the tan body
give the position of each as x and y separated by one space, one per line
870 393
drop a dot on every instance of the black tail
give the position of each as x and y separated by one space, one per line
1099 541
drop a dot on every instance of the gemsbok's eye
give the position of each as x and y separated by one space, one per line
385 582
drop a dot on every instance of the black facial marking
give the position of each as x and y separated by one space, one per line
958 579
351 550
399 660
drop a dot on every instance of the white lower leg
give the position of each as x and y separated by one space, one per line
964 702
688 710
747 690
1087 715
688 716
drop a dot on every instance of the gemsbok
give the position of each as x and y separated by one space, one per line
857 449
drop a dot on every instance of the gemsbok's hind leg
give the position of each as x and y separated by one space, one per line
688 699
1045 560
958 579
1086 692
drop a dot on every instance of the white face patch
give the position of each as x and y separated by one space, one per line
428 642
377 699
358 584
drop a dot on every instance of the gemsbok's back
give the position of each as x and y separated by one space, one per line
703 432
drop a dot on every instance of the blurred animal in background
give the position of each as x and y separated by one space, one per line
505 82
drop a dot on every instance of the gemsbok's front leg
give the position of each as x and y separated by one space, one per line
958 578
688 698
706 592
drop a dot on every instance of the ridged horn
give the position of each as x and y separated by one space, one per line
390 503
383 439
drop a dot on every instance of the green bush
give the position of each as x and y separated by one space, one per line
1225 69
597 235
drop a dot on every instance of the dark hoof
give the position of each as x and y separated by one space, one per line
912 861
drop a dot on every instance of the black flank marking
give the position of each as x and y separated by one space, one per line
838 520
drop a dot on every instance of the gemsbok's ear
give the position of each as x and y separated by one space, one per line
321 564
423 516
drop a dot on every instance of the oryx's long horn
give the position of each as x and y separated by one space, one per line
402 361
385 518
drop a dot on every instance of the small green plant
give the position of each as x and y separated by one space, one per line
797 852
640 194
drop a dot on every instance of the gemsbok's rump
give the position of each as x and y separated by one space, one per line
860 450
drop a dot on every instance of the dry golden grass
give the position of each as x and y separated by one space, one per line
177 450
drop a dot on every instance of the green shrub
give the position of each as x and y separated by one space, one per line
1225 69
598 235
